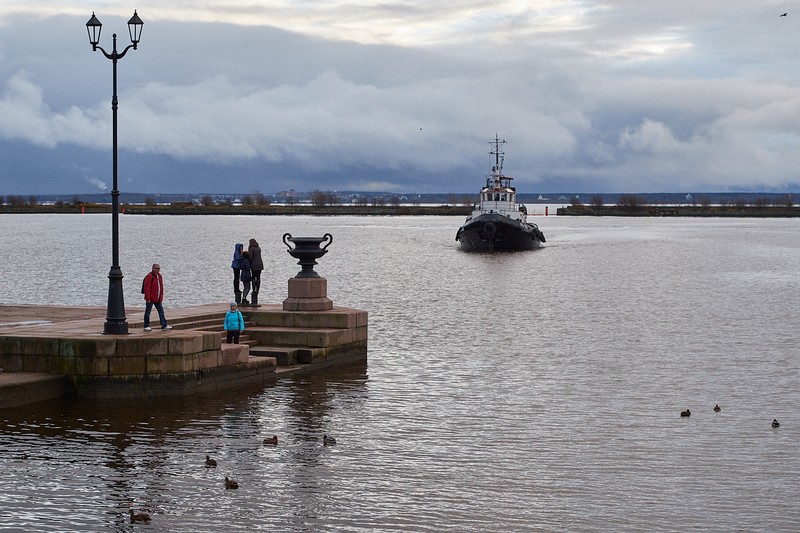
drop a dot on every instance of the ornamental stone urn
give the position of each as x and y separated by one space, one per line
306 250
308 291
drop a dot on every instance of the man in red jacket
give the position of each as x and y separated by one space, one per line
153 289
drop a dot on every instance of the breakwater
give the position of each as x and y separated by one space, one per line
263 210
680 211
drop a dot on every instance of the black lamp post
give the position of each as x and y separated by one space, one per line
116 323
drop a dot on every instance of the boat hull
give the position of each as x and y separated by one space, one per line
494 232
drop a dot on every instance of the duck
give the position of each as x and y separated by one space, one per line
717 408
210 463
271 440
230 484
775 423
686 413
139 517
327 441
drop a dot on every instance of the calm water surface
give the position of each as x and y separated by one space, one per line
535 391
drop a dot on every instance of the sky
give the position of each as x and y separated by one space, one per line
402 96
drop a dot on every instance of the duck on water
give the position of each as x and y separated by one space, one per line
498 222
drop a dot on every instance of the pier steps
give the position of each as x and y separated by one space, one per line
292 338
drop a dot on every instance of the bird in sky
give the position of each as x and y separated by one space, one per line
784 14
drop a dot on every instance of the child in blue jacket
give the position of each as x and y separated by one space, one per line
234 324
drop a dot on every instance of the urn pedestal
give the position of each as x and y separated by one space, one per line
308 294
307 290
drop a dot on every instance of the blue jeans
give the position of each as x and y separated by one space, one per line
160 308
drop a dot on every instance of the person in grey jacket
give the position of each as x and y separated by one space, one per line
256 266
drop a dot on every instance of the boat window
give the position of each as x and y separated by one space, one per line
503 198
497 197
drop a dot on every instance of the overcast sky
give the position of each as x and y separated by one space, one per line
403 95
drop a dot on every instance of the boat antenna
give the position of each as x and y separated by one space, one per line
498 154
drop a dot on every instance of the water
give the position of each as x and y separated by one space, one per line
535 391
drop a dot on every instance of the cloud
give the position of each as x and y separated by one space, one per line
27 117
406 95
650 136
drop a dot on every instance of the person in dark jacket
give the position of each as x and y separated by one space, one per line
237 270
256 266
246 275
153 289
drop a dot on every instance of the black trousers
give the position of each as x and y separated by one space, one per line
236 273
233 335
256 281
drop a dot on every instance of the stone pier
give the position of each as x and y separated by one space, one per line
304 333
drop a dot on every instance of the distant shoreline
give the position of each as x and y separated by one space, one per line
261 210
442 210
680 211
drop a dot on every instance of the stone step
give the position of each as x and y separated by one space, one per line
309 337
206 323
337 318
234 353
22 388
289 355
244 338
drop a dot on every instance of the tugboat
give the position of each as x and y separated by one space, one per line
498 222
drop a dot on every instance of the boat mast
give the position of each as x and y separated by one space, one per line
497 170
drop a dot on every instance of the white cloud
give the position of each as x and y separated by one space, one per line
650 136
27 117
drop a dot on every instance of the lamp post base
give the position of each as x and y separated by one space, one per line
116 323
115 327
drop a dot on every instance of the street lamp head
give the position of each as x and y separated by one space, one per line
135 29
93 27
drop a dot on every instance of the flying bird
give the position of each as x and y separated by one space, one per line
783 15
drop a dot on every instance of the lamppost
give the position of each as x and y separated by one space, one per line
116 323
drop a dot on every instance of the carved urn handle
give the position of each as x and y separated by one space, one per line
329 237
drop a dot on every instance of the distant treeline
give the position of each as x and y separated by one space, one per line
319 198
343 201
189 208
635 205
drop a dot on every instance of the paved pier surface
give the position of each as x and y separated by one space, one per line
68 320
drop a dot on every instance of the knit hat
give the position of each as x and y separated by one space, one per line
233 304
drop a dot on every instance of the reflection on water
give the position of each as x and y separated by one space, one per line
536 391
150 456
